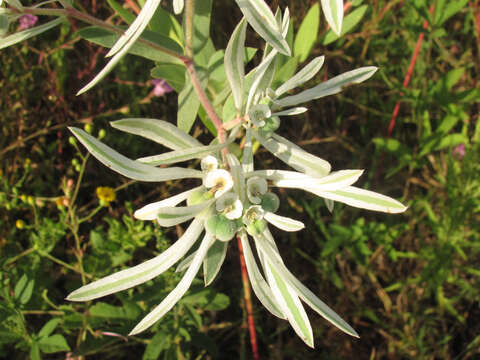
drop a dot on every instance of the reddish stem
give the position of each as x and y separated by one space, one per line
248 302
133 6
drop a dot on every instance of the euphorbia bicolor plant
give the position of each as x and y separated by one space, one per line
233 199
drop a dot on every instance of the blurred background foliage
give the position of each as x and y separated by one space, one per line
409 283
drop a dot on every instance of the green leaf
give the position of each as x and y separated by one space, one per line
127 167
160 131
174 296
174 74
35 351
24 289
166 24
333 181
329 87
307 33
234 63
28 33
214 260
333 11
263 77
308 72
453 7
126 15
53 344
158 343
237 175
49 327
261 18
188 102
143 272
201 20
351 20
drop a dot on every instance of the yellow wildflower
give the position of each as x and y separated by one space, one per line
20 224
105 194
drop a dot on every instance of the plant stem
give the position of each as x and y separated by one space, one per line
189 14
248 301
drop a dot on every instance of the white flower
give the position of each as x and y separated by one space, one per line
230 205
253 214
209 163
219 180
256 187
258 113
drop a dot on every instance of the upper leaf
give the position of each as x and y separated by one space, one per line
234 59
333 11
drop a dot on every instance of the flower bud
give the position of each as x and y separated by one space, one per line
88 128
72 140
101 134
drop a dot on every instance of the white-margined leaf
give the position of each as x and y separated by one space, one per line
329 87
273 257
290 304
126 41
141 273
174 296
291 112
247 156
333 181
361 198
308 72
159 131
28 33
261 18
177 6
330 204
128 167
237 175
294 156
234 63
150 211
283 223
172 157
214 260
333 11
171 216
259 285
277 175
263 76
185 263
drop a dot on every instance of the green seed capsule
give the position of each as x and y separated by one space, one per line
196 197
226 229
270 202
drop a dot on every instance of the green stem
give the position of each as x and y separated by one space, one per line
64 264
14 259
189 14
92 214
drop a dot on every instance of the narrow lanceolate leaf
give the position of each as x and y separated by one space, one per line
172 157
333 10
329 87
261 18
137 27
128 167
290 304
263 77
283 223
291 112
159 131
234 63
171 216
276 175
334 181
185 263
177 6
214 260
271 254
294 156
259 285
28 33
150 211
121 48
237 175
247 157
361 198
139 274
179 290
308 72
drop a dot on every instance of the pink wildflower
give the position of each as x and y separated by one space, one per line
161 87
27 21
459 151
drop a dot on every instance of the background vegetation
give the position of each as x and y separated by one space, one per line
409 283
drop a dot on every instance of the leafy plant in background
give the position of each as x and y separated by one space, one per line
234 199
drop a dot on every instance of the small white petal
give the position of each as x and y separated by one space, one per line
219 179
209 163
236 211
253 214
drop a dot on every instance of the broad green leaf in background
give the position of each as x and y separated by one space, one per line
201 21
261 18
28 33
173 74
24 289
126 15
444 10
329 87
307 33
127 167
49 327
53 344
166 24
349 23
188 102
333 11
214 260
234 63
174 296
159 131
143 272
